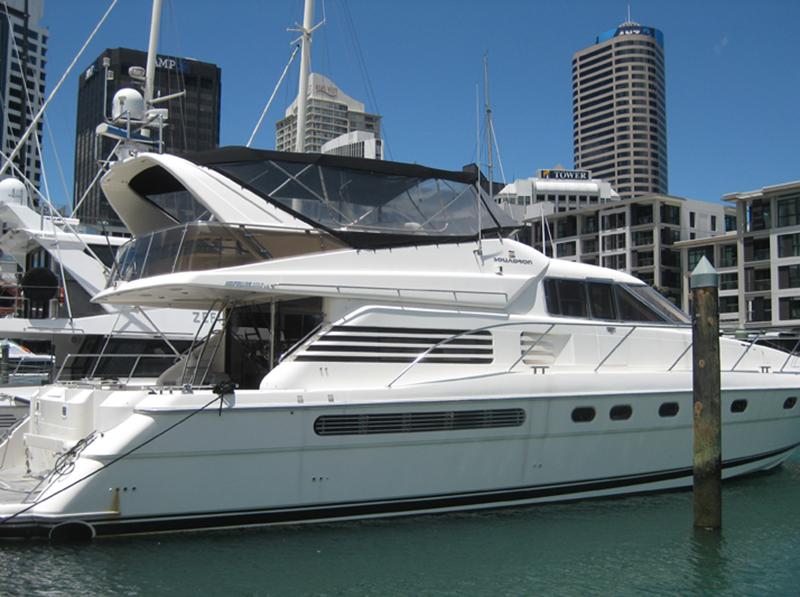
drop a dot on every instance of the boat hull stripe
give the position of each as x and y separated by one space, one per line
410 505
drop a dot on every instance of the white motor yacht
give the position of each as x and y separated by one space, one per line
388 350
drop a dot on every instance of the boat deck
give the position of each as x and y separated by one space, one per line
16 484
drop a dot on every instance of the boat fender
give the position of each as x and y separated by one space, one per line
40 284
76 530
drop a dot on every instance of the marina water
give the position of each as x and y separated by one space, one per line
640 545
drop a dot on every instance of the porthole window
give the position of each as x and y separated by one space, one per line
583 414
621 412
790 402
668 409
738 406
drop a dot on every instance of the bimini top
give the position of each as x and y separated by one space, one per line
365 203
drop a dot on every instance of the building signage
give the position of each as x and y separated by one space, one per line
632 29
329 90
565 174
170 63
635 30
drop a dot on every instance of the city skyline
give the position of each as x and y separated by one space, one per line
723 72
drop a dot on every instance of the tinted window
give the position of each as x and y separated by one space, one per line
668 409
583 414
566 297
601 298
621 412
738 406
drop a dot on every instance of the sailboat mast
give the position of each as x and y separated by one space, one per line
152 49
488 123
305 63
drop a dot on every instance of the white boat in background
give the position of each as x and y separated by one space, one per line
20 366
437 364
55 270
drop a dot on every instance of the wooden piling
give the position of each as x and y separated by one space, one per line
704 282
4 362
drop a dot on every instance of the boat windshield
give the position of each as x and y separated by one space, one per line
609 302
191 247
369 203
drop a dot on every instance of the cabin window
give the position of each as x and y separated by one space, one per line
601 299
621 412
738 406
583 414
790 402
609 302
566 297
668 409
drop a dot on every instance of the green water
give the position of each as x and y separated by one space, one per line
641 545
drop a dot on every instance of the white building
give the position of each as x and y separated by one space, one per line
554 191
331 113
357 144
22 41
759 268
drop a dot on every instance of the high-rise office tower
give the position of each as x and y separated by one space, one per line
22 41
193 123
331 114
620 110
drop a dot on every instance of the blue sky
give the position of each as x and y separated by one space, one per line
733 76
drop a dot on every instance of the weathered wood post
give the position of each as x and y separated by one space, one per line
4 362
704 282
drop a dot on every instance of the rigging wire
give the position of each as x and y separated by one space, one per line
33 124
371 97
272 97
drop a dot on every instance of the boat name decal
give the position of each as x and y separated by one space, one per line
243 284
512 260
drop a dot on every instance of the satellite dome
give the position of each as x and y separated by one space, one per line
127 100
13 191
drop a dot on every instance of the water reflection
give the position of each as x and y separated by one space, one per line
708 563
641 545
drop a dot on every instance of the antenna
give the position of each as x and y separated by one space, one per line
629 13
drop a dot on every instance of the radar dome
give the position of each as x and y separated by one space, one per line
127 100
13 191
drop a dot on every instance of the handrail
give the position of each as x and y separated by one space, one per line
137 359
752 343
678 360
632 325
549 328
613 350
791 354
534 345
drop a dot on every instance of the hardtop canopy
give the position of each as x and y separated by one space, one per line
366 203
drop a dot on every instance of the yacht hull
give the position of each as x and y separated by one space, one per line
399 453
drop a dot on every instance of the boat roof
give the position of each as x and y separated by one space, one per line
366 203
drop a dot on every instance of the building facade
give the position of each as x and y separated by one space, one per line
331 114
193 123
620 110
22 95
759 268
637 236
